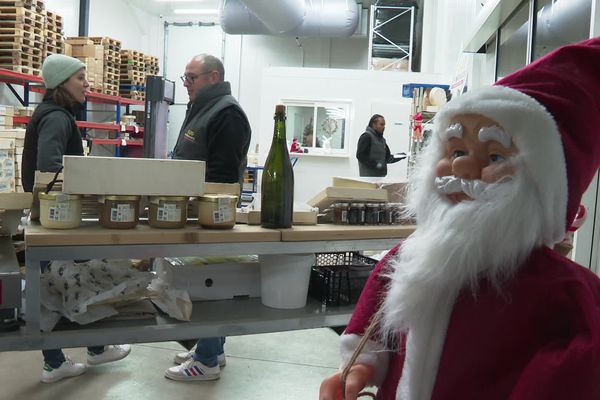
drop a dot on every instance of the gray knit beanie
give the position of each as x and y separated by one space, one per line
58 68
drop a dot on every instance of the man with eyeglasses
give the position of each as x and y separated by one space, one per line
215 130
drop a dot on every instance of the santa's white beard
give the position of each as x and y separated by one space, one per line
457 245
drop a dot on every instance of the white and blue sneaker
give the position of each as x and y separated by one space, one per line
192 370
180 358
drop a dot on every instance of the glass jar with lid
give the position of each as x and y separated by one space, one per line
217 211
119 212
372 211
167 211
356 214
59 210
340 213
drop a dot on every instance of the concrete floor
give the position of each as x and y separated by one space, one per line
283 365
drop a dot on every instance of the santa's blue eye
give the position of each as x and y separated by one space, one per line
496 158
458 153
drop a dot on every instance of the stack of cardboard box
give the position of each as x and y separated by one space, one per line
11 154
92 55
112 63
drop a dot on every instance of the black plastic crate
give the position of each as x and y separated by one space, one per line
338 278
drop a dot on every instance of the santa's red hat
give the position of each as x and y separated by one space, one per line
551 109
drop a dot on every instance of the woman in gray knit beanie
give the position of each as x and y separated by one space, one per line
52 133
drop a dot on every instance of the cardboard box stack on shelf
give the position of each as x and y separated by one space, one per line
92 55
133 74
6 116
22 35
112 63
54 43
11 154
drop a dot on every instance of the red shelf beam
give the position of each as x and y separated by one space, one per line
87 124
9 76
119 142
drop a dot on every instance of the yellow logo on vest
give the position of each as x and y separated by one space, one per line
190 135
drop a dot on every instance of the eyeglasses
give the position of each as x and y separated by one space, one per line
191 78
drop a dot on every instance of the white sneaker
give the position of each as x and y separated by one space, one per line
192 370
66 370
112 352
180 358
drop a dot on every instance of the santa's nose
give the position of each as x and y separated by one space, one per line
467 167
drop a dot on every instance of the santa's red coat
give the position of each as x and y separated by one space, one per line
537 339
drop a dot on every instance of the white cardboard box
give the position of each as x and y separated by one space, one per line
214 281
133 176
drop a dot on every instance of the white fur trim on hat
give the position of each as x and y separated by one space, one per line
537 138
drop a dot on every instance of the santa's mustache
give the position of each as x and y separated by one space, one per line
474 188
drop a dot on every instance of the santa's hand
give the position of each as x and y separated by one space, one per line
331 388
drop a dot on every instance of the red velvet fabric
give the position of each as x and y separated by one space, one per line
539 339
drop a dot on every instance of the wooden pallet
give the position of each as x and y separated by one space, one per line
134 95
135 82
17 56
111 92
24 69
12 48
36 5
24 40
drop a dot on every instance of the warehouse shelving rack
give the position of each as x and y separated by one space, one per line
33 83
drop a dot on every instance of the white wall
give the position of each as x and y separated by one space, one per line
135 28
369 92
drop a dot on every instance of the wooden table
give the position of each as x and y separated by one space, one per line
210 318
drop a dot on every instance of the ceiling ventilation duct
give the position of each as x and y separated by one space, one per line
295 18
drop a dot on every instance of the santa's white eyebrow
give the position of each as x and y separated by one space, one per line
454 130
495 133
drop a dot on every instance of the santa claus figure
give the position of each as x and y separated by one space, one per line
475 304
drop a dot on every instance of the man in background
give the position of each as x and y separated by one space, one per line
215 130
372 152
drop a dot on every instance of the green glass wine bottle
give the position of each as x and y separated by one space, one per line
277 185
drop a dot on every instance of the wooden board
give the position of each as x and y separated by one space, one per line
133 176
15 201
339 181
299 218
345 232
332 194
90 233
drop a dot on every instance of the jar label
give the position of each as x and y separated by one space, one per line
344 216
60 212
168 213
222 215
122 213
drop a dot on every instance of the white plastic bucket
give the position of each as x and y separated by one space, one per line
284 279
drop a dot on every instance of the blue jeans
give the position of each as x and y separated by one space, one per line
55 357
207 350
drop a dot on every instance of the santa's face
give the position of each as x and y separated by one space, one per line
476 153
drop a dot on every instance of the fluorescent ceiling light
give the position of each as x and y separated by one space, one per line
180 1
196 11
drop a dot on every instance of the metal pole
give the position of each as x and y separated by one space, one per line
84 17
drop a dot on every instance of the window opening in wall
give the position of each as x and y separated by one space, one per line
319 127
